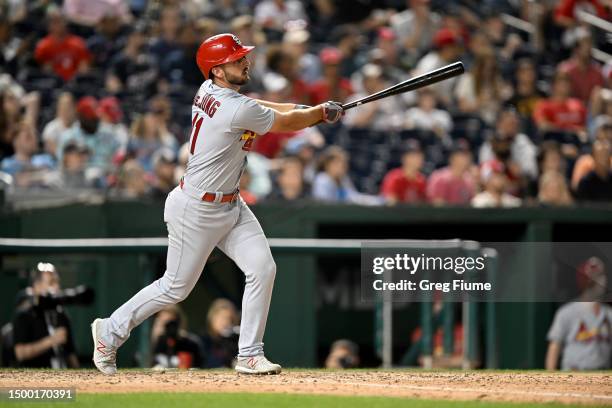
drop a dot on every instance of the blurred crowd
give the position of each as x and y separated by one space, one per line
96 94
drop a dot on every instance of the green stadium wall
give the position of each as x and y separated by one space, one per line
301 325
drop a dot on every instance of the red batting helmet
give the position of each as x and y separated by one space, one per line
218 50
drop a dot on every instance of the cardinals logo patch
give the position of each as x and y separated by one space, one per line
248 137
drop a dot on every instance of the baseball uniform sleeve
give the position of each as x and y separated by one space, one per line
560 327
253 116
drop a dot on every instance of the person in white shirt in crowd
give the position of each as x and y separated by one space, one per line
416 26
447 49
495 182
383 114
274 14
426 116
65 117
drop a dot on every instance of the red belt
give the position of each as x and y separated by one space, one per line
212 197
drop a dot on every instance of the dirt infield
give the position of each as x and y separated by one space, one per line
587 388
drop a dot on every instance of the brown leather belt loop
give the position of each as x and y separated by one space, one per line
212 197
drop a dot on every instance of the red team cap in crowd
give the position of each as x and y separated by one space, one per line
87 107
110 107
330 56
220 49
444 37
385 33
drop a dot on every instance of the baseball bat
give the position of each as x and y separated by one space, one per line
429 78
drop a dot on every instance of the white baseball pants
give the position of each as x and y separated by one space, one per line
195 227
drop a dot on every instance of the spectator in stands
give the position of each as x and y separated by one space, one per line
110 117
42 336
280 62
381 115
25 165
161 108
495 181
108 40
133 70
332 86
415 27
295 43
454 184
100 140
178 67
343 354
225 10
15 108
600 112
146 138
597 184
132 182
386 41
550 159
481 91
332 183
89 12
585 163
272 15
521 155
172 345
305 148
14 47
448 48
61 52
221 337
553 189
526 92
290 185
349 40
565 10
164 168
406 184
580 331
583 73
65 117
73 172
170 22
560 112
426 116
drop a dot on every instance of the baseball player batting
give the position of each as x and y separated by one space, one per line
206 211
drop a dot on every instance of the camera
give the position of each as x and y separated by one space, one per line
80 295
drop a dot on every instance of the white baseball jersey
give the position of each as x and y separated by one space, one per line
224 124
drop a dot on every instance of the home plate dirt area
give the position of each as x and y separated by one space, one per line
513 386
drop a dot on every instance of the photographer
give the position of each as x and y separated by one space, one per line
173 345
221 337
41 329
343 354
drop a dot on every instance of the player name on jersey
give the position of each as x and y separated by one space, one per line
208 104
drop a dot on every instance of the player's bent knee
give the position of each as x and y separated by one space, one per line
268 271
